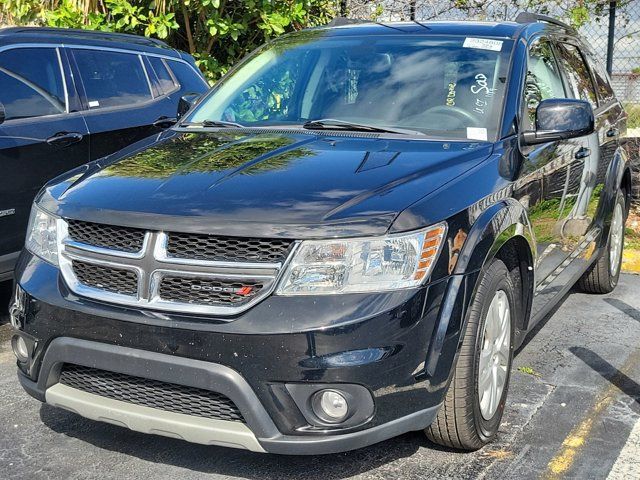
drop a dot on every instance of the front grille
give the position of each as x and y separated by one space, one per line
125 239
176 272
169 397
115 280
227 249
207 292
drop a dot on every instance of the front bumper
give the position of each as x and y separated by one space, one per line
259 434
381 342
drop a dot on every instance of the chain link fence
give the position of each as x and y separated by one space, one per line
623 63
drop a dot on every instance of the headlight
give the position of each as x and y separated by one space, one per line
363 264
42 235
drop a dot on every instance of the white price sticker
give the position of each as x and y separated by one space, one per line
476 133
483 44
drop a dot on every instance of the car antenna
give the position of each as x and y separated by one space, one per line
341 21
421 24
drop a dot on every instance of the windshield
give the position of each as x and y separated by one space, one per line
449 87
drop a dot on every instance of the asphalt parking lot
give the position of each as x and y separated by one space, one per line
573 412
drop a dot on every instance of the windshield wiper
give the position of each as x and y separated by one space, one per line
332 123
213 123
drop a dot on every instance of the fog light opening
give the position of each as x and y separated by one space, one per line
20 349
330 406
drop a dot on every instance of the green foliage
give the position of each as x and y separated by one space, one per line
633 112
529 371
208 153
216 32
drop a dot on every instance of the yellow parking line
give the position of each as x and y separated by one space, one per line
577 438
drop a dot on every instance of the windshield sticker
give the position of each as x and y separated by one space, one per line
483 44
94 104
476 133
451 95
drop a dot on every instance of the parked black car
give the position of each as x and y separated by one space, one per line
71 96
345 240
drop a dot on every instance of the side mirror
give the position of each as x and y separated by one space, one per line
560 119
2 115
186 102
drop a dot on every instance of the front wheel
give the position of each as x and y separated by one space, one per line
604 274
473 406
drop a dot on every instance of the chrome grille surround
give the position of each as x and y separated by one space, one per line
152 264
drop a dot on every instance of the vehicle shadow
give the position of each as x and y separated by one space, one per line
227 461
540 325
623 382
5 299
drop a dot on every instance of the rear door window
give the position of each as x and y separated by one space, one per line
189 79
603 83
577 73
31 83
112 79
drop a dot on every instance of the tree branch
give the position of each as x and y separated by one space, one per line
187 27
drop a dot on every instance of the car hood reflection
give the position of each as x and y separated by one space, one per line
276 184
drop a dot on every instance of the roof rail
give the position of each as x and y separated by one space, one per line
90 34
530 17
340 21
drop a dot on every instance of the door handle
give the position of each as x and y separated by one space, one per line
64 139
584 152
613 132
165 122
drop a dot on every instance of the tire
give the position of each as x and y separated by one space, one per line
461 422
603 275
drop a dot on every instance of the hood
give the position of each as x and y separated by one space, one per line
294 185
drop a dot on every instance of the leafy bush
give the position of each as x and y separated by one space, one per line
633 111
216 32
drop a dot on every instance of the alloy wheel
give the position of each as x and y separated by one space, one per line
494 355
616 239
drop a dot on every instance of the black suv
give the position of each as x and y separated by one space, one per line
344 240
71 96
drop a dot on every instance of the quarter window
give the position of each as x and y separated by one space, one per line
112 79
543 80
31 83
165 80
190 81
577 73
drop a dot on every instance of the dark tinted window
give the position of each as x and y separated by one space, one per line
188 78
543 80
112 79
603 84
578 77
31 83
165 80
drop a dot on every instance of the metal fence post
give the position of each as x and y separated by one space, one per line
343 8
612 32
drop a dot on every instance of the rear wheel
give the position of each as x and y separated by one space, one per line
473 406
604 274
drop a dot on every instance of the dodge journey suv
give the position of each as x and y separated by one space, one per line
344 240
71 96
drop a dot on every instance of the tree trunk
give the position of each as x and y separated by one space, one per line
187 27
